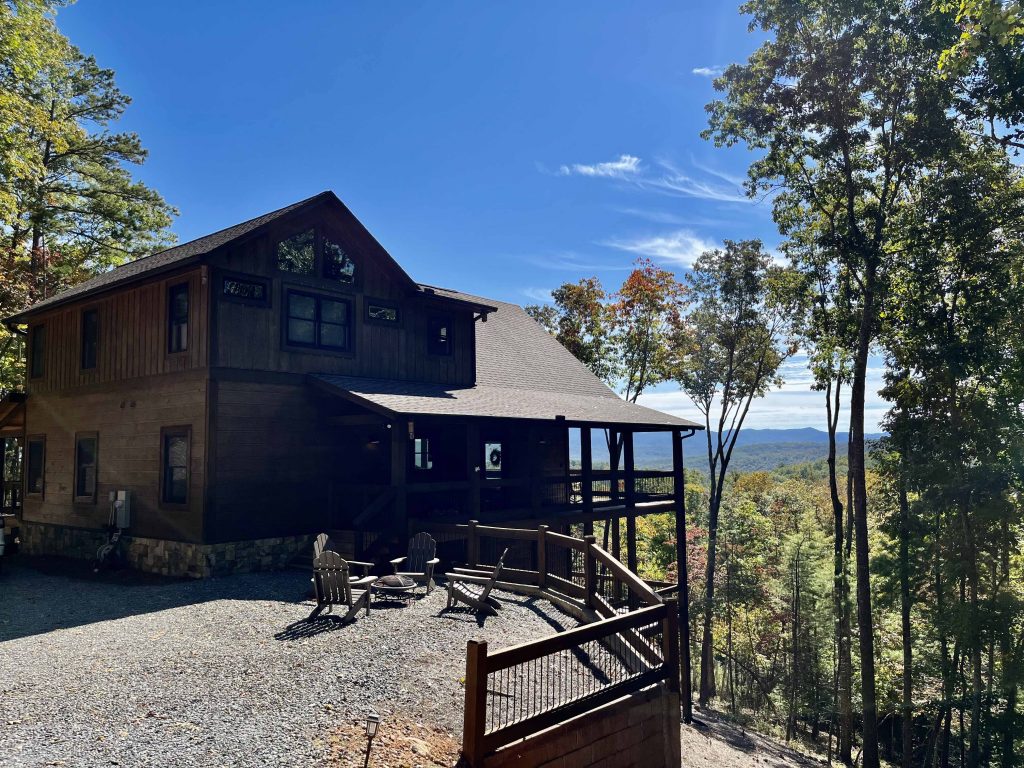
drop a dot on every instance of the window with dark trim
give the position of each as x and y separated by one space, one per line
245 289
492 460
318 321
439 335
421 453
382 312
90 337
298 253
37 359
86 466
175 449
177 318
35 465
338 265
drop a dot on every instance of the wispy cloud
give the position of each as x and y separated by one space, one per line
570 261
625 167
681 247
664 178
714 71
658 217
542 295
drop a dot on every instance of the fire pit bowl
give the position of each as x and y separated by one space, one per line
394 586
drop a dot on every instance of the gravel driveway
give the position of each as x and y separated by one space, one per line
142 671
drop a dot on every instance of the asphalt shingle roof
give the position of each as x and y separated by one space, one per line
522 373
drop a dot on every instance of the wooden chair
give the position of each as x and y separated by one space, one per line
461 589
420 561
333 586
323 543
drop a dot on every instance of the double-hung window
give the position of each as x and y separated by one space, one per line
86 466
177 318
90 337
175 447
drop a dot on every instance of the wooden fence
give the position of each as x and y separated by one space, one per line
629 640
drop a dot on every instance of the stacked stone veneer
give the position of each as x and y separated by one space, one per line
170 558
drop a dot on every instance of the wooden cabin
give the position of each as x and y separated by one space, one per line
285 376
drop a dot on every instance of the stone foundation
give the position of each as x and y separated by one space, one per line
169 558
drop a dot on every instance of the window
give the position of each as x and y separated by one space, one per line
492 460
86 450
297 253
317 321
36 363
177 318
381 312
439 335
90 337
337 264
35 465
174 465
245 290
421 453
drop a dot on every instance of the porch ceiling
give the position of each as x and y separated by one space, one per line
409 398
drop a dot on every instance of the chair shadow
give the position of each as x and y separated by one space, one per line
462 613
304 628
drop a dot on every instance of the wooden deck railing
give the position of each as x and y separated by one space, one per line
629 640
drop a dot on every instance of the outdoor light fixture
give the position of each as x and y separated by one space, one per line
372 723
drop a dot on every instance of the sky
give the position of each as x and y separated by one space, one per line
498 148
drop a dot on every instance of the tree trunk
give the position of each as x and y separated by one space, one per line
840 590
907 724
860 522
707 649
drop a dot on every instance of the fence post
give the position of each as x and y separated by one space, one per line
476 702
542 556
472 545
590 570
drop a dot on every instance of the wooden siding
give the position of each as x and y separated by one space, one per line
132 339
271 459
127 419
251 336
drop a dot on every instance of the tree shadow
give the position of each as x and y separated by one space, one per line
305 628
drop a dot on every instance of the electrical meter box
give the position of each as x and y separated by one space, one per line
121 509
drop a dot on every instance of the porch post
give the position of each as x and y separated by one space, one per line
534 458
630 482
587 480
399 464
473 454
679 493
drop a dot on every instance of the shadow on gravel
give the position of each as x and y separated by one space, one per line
719 727
306 628
39 595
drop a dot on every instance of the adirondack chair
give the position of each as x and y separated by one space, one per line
420 562
335 587
475 591
323 543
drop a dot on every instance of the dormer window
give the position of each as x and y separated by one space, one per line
337 264
298 253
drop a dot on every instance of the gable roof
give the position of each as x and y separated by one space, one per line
522 373
194 250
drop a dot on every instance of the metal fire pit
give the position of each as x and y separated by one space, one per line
394 587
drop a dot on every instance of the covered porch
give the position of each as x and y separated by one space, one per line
423 462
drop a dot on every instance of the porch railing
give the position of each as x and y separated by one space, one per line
631 640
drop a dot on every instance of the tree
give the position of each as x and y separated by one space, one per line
845 104
743 305
581 321
69 207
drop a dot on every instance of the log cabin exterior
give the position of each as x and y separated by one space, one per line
285 376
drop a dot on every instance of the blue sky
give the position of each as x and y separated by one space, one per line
498 148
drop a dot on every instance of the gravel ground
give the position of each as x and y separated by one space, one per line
142 671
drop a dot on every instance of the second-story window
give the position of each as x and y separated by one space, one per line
337 264
319 321
37 354
297 253
90 337
439 335
177 318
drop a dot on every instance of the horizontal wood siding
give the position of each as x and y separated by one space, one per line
132 339
272 459
127 419
251 337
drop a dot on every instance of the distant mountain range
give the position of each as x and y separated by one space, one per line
756 449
